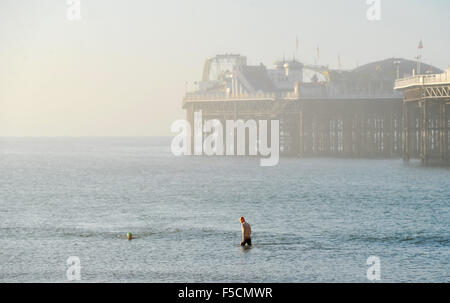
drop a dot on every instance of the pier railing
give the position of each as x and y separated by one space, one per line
223 97
420 80
192 97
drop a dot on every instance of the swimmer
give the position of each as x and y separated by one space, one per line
246 232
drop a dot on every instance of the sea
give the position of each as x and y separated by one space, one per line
312 219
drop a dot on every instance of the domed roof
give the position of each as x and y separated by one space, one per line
377 77
389 67
384 70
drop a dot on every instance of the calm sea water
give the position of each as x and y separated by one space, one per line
313 220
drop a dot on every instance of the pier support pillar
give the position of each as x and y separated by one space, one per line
300 133
387 134
347 134
425 132
405 132
190 118
443 131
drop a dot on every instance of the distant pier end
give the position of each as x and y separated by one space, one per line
426 116
322 112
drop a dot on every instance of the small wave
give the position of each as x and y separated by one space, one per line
419 239
43 232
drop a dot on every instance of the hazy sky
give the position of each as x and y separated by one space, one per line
121 70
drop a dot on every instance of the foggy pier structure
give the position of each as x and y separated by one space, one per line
364 128
328 113
426 109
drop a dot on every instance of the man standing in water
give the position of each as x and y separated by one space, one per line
246 232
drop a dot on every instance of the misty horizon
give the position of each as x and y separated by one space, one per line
122 70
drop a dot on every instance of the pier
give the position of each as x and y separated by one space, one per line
425 117
368 112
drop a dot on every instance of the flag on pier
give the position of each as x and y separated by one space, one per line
318 53
419 56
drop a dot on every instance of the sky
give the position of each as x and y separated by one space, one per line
122 68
